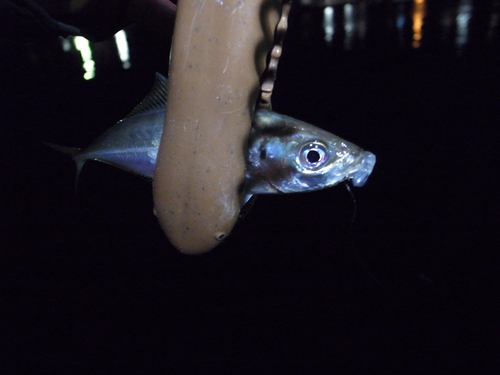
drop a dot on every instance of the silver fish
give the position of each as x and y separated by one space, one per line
284 155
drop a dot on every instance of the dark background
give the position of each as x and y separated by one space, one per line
90 284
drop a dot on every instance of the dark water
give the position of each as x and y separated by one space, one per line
90 283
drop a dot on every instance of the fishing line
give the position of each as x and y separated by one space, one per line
355 204
354 249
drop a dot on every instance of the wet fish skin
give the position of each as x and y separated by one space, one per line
287 155
284 155
131 144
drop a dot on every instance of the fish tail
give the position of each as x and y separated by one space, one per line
70 151
73 153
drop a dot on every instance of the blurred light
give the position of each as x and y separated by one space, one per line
418 21
400 23
463 17
83 45
123 50
400 19
66 44
492 25
447 23
348 25
328 25
89 67
360 17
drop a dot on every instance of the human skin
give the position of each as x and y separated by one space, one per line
218 55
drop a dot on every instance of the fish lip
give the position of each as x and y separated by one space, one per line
360 176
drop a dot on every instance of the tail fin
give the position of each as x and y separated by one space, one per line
71 152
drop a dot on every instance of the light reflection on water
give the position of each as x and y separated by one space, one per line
84 46
462 21
355 24
418 21
332 24
412 23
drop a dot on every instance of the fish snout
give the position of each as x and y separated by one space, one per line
365 169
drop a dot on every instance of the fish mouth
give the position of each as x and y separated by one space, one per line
360 176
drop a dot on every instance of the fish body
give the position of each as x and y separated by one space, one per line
284 155
131 144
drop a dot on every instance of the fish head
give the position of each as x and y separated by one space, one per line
290 156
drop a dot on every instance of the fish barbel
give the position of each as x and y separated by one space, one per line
284 155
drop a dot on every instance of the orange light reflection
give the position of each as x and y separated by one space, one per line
418 21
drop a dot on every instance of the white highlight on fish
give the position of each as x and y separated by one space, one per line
284 155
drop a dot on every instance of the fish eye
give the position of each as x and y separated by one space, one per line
313 155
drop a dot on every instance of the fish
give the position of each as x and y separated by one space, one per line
283 155
286 155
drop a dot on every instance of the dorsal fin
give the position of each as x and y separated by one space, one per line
155 99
